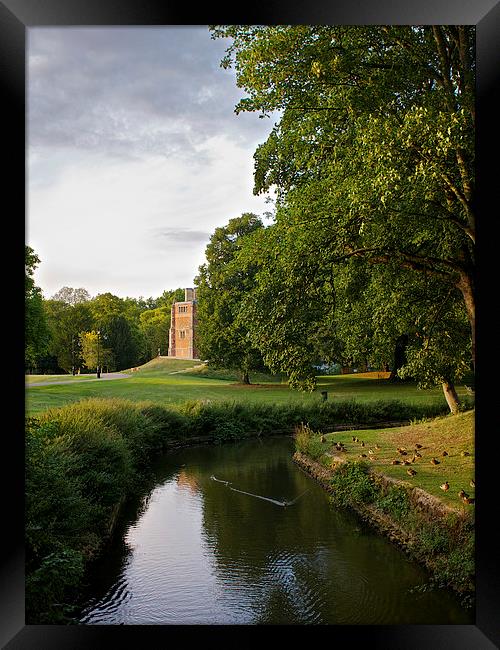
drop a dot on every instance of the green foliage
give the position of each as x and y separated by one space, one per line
395 502
222 337
372 161
37 333
50 585
155 325
66 322
351 485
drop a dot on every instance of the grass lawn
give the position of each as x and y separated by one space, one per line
164 381
452 433
31 379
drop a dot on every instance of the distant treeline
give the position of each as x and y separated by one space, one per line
74 332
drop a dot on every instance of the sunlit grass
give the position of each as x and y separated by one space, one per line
452 433
169 381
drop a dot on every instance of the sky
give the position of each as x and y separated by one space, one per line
134 156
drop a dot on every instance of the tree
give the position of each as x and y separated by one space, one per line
373 155
66 322
94 351
222 338
155 326
118 318
37 333
121 338
72 296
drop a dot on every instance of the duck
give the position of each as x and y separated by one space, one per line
362 443
362 456
403 452
435 461
418 446
417 454
470 500
377 447
395 462
445 486
371 452
354 438
472 483
406 462
445 453
411 472
462 494
465 453
414 459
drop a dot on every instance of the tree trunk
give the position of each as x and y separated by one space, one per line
399 356
245 379
451 396
466 287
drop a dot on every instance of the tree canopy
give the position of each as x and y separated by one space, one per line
37 334
222 338
372 159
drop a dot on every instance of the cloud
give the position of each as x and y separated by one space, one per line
135 155
180 236
131 91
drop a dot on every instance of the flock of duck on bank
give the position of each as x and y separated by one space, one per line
416 455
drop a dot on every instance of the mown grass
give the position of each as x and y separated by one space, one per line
31 379
169 381
453 434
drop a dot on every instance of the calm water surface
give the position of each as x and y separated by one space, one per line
197 552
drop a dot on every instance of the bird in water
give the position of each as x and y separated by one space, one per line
445 486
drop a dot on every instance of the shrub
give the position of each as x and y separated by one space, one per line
351 484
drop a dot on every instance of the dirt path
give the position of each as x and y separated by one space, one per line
104 377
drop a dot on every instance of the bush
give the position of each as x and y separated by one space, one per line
351 485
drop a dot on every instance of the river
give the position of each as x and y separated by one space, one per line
194 551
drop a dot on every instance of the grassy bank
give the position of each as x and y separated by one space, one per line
172 381
434 526
84 458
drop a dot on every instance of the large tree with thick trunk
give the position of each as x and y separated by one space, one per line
374 147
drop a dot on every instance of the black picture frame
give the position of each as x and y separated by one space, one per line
16 17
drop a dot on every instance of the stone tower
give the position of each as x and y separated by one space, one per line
182 327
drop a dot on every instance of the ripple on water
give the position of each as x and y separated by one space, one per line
200 554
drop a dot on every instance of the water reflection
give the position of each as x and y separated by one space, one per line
201 553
